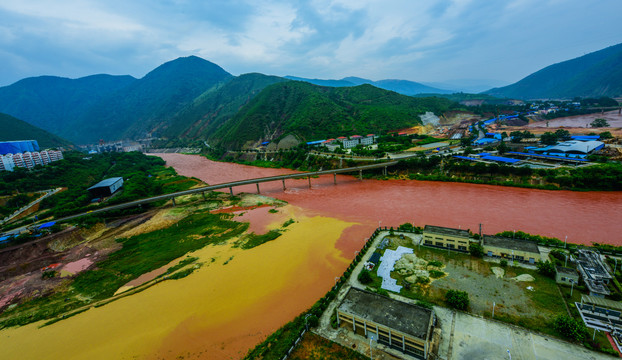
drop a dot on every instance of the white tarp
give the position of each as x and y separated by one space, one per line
387 262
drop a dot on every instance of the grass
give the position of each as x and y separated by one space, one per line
253 240
138 255
315 347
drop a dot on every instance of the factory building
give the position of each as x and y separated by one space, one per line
448 238
106 187
511 249
398 325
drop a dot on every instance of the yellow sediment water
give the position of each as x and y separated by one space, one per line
218 312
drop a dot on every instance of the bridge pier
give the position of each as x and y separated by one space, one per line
258 192
309 178
384 172
361 175
283 184
335 178
204 198
174 204
231 190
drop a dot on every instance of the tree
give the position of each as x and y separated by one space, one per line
313 321
476 249
562 134
570 328
599 123
606 135
457 299
548 138
365 277
502 148
546 268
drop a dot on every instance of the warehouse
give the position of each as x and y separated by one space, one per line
19 146
401 326
512 249
106 187
448 238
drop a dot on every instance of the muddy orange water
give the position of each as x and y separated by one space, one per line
239 296
584 217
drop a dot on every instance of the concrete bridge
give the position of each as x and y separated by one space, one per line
231 185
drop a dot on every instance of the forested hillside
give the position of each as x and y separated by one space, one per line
16 129
313 112
593 75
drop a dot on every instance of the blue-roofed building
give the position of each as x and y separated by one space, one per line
315 143
485 141
106 187
18 147
585 137
47 225
500 159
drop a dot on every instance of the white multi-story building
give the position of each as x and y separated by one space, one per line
29 159
6 162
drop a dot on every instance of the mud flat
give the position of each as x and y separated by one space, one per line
231 303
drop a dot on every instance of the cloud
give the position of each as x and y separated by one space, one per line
426 40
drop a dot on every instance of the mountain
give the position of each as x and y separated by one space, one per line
593 75
51 102
403 87
320 82
215 106
16 129
145 104
313 112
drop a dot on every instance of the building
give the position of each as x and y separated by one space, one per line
566 275
29 159
355 140
106 187
594 273
19 146
7 163
571 148
448 238
511 249
401 326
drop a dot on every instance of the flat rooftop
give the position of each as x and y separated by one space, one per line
105 182
446 231
565 270
407 318
511 244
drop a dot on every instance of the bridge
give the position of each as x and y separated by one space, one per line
231 185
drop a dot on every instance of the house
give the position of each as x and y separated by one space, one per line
448 238
566 275
398 325
511 249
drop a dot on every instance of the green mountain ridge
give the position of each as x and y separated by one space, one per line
593 75
141 107
404 87
313 112
16 129
215 106
50 102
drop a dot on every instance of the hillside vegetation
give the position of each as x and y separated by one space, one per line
215 106
51 102
16 129
313 112
593 75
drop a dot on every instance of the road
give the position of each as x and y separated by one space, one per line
203 189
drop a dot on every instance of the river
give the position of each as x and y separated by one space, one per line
241 296
582 217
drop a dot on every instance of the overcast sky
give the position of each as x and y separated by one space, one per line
418 40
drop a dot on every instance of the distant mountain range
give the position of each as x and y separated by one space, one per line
404 87
16 129
191 98
593 75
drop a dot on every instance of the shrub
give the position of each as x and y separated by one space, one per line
365 277
422 280
436 274
313 321
476 249
457 299
435 263
570 328
546 268
503 263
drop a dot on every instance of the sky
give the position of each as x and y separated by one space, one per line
433 41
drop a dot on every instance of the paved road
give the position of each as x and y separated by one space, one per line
475 338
